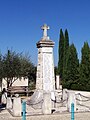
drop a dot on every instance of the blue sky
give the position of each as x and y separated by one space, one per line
21 20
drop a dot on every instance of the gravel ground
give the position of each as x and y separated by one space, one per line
5 115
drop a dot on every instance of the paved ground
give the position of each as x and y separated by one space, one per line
5 115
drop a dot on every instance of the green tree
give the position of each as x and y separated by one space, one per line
11 67
60 53
28 70
27 66
16 66
66 46
85 68
71 74
1 69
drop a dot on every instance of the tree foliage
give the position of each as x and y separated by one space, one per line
74 75
1 69
72 64
85 68
62 52
65 52
60 49
15 66
11 67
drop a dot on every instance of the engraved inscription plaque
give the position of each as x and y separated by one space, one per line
47 71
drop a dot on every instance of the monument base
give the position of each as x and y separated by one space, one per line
36 99
42 100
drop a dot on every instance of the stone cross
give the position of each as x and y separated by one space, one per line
45 28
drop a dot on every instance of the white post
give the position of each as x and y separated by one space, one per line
71 99
17 107
65 97
65 94
47 103
9 103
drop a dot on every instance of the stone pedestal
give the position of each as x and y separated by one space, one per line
65 91
47 103
9 103
17 107
36 99
45 69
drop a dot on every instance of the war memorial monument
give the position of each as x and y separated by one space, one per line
49 97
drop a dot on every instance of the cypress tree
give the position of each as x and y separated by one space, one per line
66 46
85 68
60 53
72 62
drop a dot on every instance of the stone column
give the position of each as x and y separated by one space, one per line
47 104
9 103
45 79
17 107
45 70
65 92
65 97
71 99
